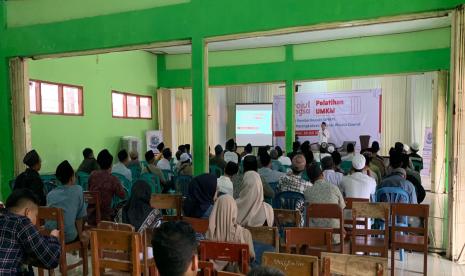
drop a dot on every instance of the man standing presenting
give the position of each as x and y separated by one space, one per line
323 134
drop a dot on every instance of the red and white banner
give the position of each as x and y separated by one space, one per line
347 115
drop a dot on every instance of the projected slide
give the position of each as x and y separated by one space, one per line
254 124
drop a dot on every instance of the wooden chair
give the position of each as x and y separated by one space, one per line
368 240
266 235
328 211
292 264
167 201
199 225
308 241
226 251
112 240
342 264
56 214
224 273
110 225
93 206
206 269
401 235
348 214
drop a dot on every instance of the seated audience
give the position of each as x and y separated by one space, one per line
415 158
350 153
275 164
160 149
182 148
253 211
175 249
225 185
293 182
329 173
230 154
152 168
398 177
201 196
285 161
270 176
106 184
247 150
164 164
307 152
89 164
323 152
414 177
177 156
184 167
250 164
138 211
70 198
358 184
295 149
370 169
30 178
337 161
377 160
223 227
188 150
265 271
134 155
122 166
21 243
323 192
218 159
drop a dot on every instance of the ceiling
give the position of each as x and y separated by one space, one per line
316 36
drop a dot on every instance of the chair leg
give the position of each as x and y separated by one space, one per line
425 262
40 271
85 261
393 254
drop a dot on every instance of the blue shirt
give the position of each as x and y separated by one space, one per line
396 180
71 200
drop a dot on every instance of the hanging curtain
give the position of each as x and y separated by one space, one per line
182 115
21 117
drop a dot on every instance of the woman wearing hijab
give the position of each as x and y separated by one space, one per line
253 211
201 196
223 227
138 211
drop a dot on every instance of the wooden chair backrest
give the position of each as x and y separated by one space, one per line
167 201
112 240
109 225
378 210
291 264
287 217
325 210
343 264
308 239
225 273
350 200
93 199
225 251
411 210
266 235
206 268
199 225
52 214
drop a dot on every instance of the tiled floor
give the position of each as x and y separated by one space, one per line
411 266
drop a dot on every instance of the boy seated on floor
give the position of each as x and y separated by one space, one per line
21 243
70 198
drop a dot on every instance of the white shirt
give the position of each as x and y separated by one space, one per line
323 138
285 161
348 157
358 185
230 156
164 164
318 157
333 177
225 185
123 170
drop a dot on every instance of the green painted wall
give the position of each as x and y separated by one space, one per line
197 18
58 137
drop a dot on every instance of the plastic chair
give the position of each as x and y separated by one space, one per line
50 182
225 251
136 170
125 182
182 184
153 180
83 180
215 170
393 195
288 200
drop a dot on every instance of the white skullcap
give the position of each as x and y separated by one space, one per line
331 149
415 146
406 148
358 161
184 157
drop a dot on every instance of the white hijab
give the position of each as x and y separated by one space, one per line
252 211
